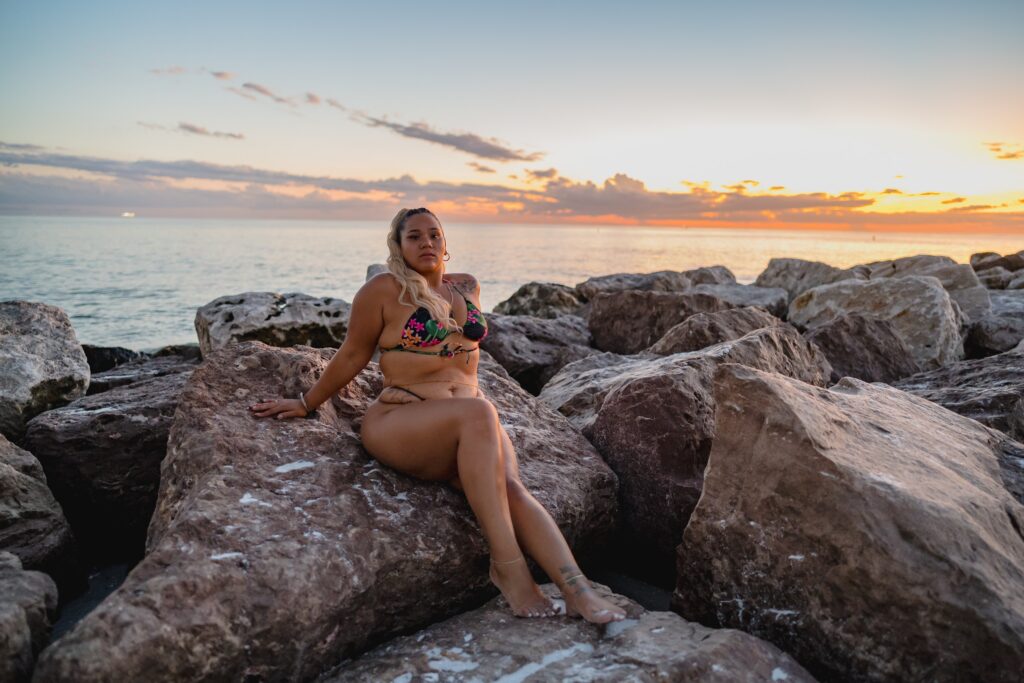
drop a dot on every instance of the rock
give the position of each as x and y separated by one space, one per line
864 531
958 279
186 351
661 281
102 457
995 278
42 365
986 260
772 299
28 606
863 347
1017 282
710 275
375 269
542 300
630 321
101 358
707 329
275 319
32 523
796 276
280 547
487 644
656 425
1002 328
530 348
989 390
140 369
918 306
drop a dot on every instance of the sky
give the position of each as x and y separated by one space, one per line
844 115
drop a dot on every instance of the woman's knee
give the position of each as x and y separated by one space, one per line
479 414
517 492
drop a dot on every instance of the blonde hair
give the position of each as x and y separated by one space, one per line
413 284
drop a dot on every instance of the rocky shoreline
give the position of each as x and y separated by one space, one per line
824 467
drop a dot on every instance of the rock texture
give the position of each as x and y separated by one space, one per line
1002 328
630 321
103 358
986 260
865 531
145 367
919 308
707 329
656 425
796 276
989 390
275 319
773 299
867 348
102 457
542 300
533 349
661 281
42 365
28 606
958 279
280 547
710 275
995 278
32 523
487 644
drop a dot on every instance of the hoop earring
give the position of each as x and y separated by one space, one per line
448 255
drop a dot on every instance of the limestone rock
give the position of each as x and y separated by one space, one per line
867 348
542 300
656 425
42 365
102 457
275 319
920 309
867 532
772 299
1002 328
959 279
796 276
186 351
710 275
145 367
1017 282
995 278
986 260
101 358
707 329
989 390
280 547
530 348
980 260
488 644
375 269
28 606
630 321
661 281
32 523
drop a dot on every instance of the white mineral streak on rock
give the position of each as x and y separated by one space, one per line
292 466
615 628
522 673
249 499
779 675
225 556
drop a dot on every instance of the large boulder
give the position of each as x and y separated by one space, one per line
32 523
959 279
995 278
863 347
661 281
920 309
656 426
989 390
542 300
145 367
1001 329
985 260
42 365
775 300
279 547
102 457
1017 281
102 358
707 329
796 276
630 321
867 532
487 644
272 318
533 349
28 606
710 275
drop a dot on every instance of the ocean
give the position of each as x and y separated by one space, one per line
137 282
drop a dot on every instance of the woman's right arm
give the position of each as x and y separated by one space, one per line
366 321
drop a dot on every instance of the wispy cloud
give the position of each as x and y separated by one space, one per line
1001 150
192 129
169 71
312 98
480 167
266 92
541 175
470 143
222 75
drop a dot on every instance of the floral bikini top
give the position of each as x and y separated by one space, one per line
422 331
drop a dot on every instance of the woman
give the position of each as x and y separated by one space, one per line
431 420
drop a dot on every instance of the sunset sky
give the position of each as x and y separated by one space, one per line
849 115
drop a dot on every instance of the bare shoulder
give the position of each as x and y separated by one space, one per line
382 284
464 281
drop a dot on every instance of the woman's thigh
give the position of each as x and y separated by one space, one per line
511 462
421 438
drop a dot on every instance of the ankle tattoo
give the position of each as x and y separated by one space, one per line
574 579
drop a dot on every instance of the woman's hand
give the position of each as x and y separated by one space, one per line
279 408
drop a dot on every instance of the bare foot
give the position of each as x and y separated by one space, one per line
581 600
524 596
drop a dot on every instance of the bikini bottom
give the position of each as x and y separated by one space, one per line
410 392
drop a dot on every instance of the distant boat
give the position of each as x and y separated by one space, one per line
128 214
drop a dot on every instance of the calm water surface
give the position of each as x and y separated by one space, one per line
138 282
